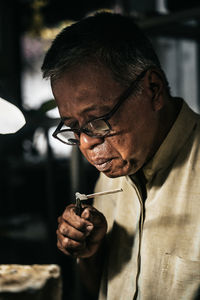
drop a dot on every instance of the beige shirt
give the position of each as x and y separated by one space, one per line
154 245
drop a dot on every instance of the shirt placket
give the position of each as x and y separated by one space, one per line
140 190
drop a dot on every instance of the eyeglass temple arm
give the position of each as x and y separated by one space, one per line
126 94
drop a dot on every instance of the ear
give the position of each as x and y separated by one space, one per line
155 87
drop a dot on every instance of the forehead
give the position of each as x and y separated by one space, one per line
85 88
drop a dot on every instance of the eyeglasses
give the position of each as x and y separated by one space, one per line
97 127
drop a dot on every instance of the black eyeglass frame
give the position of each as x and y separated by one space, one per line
125 95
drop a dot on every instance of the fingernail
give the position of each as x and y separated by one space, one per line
85 214
90 227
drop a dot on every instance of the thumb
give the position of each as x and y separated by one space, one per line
94 216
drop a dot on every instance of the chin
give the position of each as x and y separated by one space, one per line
110 175
126 170
118 173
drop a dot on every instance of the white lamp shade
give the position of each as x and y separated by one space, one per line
11 118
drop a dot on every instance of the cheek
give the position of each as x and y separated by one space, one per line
123 145
134 142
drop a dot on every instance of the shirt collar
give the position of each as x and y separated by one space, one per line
176 138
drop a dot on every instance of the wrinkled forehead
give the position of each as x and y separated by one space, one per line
86 70
86 87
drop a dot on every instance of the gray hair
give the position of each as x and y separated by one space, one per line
112 40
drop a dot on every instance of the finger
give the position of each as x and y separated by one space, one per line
94 216
74 220
59 219
74 252
68 231
60 247
68 228
68 243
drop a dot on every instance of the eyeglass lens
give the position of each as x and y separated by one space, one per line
94 128
67 137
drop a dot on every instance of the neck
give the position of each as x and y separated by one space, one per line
170 113
168 116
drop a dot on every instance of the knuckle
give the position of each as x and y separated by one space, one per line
63 229
65 242
68 211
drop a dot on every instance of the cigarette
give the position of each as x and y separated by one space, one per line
85 197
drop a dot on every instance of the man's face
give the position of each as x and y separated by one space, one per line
88 92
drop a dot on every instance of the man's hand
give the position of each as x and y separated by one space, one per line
81 236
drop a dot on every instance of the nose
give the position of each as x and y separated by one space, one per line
88 142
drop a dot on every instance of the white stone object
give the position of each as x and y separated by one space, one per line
30 282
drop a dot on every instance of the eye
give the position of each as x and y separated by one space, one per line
97 126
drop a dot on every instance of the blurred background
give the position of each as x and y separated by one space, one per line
39 175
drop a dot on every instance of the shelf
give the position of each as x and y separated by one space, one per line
183 24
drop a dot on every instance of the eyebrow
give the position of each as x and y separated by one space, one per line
86 110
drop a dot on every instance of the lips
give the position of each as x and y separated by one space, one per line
102 164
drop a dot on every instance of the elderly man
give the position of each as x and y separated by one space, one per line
115 105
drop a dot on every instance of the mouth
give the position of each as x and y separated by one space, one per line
102 165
